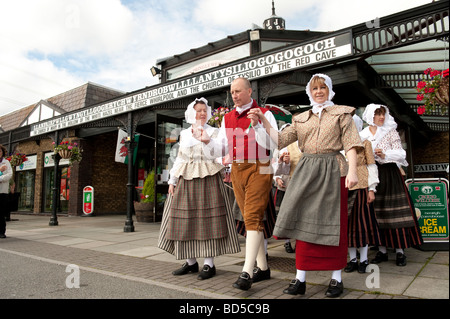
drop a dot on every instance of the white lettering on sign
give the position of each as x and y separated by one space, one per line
289 59
425 168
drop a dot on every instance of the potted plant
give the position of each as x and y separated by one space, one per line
143 207
68 150
433 91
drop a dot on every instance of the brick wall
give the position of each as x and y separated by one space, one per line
108 178
436 151
97 169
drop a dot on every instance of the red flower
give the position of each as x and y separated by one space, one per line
421 109
434 73
421 85
445 73
427 89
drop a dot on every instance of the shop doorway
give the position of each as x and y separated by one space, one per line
167 132
64 191
25 187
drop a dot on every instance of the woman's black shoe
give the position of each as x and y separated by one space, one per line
185 269
352 265
244 282
288 248
379 257
362 266
296 287
335 289
400 259
207 272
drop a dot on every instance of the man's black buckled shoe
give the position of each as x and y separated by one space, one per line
244 281
259 275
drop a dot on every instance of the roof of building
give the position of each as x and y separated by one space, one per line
77 98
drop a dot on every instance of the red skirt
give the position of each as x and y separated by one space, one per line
310 256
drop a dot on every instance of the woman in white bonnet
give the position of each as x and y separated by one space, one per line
362 222
393 206
197 219
314 207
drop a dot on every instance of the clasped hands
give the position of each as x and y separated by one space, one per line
379 152
200 134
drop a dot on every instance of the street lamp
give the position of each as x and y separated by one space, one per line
155 71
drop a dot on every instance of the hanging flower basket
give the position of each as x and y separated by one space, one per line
66 154
442 92
217 116
68 150
17 159
433 92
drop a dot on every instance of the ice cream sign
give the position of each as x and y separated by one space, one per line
430 198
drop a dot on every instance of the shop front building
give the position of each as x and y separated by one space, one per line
362 61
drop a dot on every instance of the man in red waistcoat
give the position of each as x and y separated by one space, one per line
251 176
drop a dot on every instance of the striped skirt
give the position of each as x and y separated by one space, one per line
197 220
362 222
394 209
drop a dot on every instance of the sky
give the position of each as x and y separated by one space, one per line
48 47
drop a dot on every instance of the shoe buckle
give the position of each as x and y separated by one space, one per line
245 276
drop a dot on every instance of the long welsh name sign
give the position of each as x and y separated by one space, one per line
290 58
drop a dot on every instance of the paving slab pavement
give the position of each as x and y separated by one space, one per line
99 242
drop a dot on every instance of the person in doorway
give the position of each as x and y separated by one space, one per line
314 208
362 222
393 205
249 147
4 189
197 219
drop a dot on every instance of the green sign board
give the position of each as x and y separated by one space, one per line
430 198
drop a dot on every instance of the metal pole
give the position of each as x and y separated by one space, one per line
56 182
129 227
411 161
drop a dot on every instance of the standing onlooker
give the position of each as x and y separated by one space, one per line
393 206
314 209
197 219
249 149
362 221
4 189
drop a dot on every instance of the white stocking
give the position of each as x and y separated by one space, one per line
336 275
254 245
363 253
352 252
209 261
301 275
191 261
